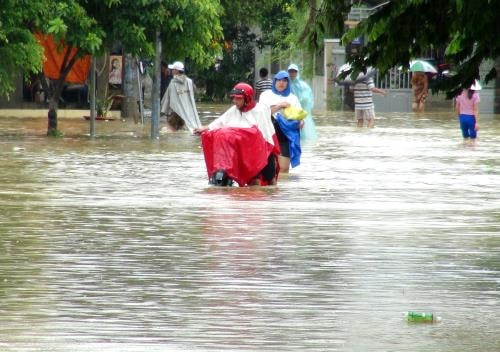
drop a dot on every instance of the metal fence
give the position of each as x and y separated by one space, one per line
394 79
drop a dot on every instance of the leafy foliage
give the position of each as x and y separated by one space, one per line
240 21
325 20
19 49
235 66
402 30
76 27
190 28
276 24
299 26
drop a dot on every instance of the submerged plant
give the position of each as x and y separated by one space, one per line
103 106
54 133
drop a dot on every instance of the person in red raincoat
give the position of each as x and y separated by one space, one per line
242 141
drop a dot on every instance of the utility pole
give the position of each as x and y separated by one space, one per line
92 97
155 111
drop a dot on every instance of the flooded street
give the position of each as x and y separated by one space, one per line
118 243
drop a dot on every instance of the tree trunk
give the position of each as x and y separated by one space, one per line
155 115
93 66
130 107
52 130
52 119
496 108
66 66
102 77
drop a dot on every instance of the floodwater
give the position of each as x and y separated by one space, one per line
119 244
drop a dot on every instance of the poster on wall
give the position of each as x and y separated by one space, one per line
115 70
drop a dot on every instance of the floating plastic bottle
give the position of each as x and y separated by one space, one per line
419 317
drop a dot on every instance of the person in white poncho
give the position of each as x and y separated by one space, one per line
178 101
251 161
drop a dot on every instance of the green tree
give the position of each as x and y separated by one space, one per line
189 27
19 50
402 30
240 20
72 28
189 30
319 19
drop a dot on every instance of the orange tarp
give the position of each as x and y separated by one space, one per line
55 57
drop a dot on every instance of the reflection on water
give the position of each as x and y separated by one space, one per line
119 244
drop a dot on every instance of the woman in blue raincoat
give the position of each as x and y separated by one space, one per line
279 98
302 90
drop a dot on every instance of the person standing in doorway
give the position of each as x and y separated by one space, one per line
467 108
264 83
178 101
305 94
364 108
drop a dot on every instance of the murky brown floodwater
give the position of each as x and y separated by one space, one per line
119 244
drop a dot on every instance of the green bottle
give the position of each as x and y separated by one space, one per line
418 317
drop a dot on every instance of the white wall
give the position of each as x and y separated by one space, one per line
399 100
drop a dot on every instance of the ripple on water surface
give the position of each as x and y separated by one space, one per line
119 244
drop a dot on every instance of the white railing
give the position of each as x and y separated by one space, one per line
394 79
361 13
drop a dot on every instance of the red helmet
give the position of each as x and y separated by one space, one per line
245 91
242 90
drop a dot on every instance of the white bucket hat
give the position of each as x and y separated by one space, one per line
293 67
179 66
476 86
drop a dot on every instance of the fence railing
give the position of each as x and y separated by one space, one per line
394 79
361 13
